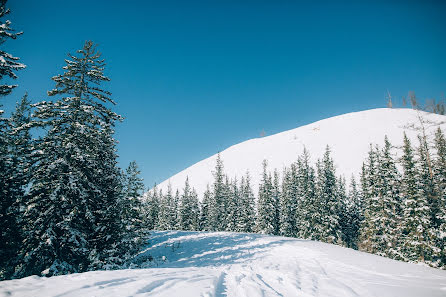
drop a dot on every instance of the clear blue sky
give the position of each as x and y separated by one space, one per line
192 78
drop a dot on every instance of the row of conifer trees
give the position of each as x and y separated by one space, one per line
396 210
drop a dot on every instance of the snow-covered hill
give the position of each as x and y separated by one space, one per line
243 265
348 135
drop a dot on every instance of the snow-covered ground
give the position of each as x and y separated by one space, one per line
235 264
348 135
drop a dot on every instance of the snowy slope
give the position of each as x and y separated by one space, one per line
348 135
242 265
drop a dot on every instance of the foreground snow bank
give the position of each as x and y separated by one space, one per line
233 264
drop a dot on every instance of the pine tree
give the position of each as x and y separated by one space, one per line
167 216
440 181
130 206
234 208
267 204
355 215
151 208
288 202
72 219
205 210
218 211
8 63
330 231
14 179
247 220
369 234
188 209
416 211
390 212
307 208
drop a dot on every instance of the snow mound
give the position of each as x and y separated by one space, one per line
348 135
236 264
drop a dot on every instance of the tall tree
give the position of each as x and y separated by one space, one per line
76 187
267 206
131 206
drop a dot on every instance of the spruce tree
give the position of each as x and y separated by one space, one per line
248 208
218 211
330 229
267 205
439 258
14 181
131 207
72 218
205 210
416 211
188 209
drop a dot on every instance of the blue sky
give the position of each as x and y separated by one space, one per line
192 78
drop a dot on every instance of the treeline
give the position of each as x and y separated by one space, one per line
397 210
65 204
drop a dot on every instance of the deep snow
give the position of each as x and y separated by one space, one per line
348 135
236 264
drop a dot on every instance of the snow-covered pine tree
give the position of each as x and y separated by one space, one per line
205 209
329 202
72 212
131 207
439 169
266 207
369 235
218 211
233 208
355 215
14 180
151 208
307 208
167 217
390 213
288 203
343 212
416 210
247 221
276 202
188 209
8 63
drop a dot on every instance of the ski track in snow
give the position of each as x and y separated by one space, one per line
236 264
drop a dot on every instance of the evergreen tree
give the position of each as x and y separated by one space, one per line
188 209
151 208
218 211
131 206
439 166
369 235
390 212
234 208
247 201
330 231
267 205
205 210
416 211
167 216
8 63
354 212
74 193
14 180
288 203
307 207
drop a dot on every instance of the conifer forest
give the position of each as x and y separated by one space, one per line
67 206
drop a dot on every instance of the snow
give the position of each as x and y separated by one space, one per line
238 264
348 135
